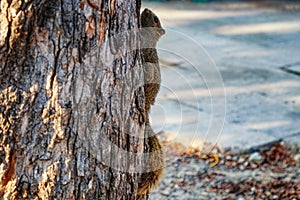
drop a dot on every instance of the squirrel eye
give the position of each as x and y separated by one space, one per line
156 19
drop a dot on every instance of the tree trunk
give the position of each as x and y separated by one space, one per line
70 99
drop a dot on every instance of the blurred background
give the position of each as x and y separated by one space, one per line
255 48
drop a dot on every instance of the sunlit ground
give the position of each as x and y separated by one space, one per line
249 44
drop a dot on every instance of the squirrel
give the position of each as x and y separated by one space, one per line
150 34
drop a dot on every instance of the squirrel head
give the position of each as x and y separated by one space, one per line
149 19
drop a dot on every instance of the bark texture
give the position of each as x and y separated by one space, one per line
70 104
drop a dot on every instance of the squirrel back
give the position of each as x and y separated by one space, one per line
150 33
155 160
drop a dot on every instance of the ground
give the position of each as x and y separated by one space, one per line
270 171
230 80
256 100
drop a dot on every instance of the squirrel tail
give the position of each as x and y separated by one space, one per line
154 165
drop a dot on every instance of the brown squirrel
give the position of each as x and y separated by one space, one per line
151 32
155 162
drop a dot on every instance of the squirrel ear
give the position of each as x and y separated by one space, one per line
146 11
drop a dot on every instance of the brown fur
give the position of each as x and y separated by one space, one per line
155 160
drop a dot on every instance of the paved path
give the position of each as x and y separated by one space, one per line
256 49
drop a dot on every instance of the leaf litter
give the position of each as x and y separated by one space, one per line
270 171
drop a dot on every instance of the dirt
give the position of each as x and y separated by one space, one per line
271 171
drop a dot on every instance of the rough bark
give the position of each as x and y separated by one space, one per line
69 101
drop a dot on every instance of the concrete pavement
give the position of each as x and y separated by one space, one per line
255 49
